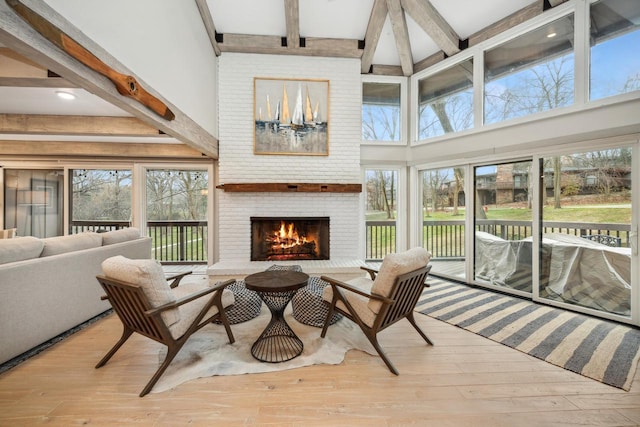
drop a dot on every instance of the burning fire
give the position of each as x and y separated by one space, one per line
287 237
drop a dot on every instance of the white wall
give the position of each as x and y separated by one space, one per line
238 163
164 43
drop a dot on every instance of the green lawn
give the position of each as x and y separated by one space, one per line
605 214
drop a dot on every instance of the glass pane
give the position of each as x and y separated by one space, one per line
443 213
503 243
586 254
531 73
33 202
101 199
615 34
381 112
445 103
381 188
177 214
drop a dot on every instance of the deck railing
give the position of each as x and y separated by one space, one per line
445 239
173 242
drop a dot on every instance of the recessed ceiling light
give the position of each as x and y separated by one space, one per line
550 35
65 95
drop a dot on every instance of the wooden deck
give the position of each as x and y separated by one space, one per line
463 380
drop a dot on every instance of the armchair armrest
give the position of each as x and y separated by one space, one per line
372 271
189 298
176 278
348 287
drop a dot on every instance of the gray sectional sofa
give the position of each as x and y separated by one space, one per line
48 286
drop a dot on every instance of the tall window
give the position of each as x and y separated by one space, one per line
101 199
531 73
381 188
445 101
615 35
381 112
177 214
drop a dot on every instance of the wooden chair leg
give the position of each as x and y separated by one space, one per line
126 333
171 353
327 321
412 320
374 342
227 326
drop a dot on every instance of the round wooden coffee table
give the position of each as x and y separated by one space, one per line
278 342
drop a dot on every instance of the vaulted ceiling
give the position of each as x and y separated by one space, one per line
390 37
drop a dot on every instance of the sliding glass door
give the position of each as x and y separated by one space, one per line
33 201
443 220
503 219
586 226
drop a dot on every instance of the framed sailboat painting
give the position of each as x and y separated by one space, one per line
291 116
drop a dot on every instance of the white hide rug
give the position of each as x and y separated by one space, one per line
208 352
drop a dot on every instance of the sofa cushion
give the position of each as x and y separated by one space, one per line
119 236
19 249
394 265
147 274
74 242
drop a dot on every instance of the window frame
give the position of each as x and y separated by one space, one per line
404 114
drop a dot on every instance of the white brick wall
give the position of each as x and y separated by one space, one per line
238 164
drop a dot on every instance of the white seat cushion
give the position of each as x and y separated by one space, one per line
190 310
394 265
358 302
147 274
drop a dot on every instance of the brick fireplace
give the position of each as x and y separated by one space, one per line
238 164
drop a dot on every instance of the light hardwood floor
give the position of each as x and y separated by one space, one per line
463 380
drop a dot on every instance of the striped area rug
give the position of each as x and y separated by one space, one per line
604 351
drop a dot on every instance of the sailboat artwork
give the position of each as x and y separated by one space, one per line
299 125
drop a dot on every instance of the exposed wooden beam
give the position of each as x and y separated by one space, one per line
75 125
36 82
19 71
97 149
433 24
386 70
528 12
401 34
272 45
16 34
292 16
372 36
207 19
429 61
24 64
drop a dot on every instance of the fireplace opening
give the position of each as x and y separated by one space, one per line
289 239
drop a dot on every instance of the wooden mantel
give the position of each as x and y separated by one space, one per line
283 187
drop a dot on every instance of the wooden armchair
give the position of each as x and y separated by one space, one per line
148 305
386 297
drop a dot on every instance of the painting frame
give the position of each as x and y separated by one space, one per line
290 116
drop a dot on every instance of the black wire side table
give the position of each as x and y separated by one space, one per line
278 342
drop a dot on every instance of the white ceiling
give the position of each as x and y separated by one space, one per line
339 19
348 19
